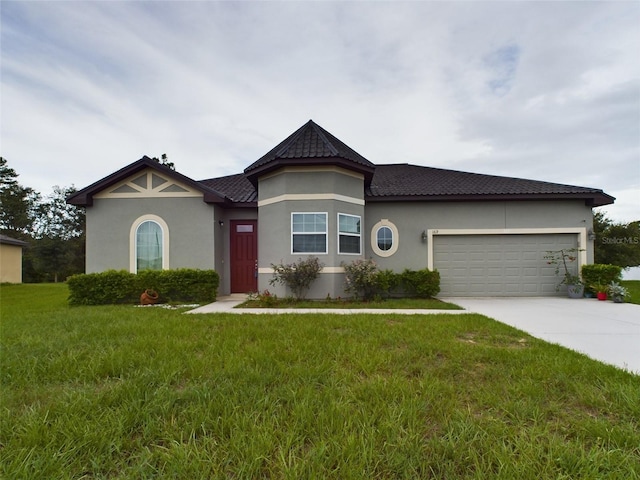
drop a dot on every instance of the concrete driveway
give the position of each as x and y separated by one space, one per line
605 331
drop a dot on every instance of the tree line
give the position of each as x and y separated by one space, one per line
55 231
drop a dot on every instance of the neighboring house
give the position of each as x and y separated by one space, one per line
314 195
11 259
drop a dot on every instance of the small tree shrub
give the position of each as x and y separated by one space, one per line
386 282
423 283
600 274
364 280
297 276
119 286
361 277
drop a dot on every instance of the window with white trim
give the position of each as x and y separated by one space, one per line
149 246
384 238
348 234
309 232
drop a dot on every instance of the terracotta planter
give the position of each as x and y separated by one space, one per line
602 296
148 297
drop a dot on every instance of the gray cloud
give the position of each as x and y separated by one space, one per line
539 90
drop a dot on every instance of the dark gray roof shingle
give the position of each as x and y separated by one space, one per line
236 188
310 145
404 182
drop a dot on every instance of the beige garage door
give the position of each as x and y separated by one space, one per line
498 265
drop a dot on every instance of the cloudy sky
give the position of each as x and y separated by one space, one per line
542 90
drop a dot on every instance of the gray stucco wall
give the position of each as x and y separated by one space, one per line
412 218
274 227
191 231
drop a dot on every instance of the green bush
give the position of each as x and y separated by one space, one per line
600 274
386 282
119 286
297 276
423 283
363 278
360 278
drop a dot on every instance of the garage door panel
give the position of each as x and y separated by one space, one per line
498 265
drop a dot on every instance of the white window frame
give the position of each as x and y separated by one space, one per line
349 234
325 233
133 236
395 238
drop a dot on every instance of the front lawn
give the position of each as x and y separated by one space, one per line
633 286
270 301
124 392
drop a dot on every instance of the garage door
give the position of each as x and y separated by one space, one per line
498 265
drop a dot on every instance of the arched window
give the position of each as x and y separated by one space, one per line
149 244
384 238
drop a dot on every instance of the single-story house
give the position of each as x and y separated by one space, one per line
11 259
312 195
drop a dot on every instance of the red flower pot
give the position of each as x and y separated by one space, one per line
602 295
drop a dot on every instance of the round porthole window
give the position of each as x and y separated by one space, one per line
384 238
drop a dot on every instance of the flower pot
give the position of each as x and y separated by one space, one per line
148 297
602 296
617 299
575 291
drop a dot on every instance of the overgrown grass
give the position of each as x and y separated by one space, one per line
123 392
633 286
347 303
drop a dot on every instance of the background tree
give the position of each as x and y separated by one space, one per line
59 232
17 204
616 243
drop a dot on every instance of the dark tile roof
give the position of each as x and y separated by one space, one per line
236 188
310 144
406 182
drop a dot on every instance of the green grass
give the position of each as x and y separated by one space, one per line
346 303
633 286
123 392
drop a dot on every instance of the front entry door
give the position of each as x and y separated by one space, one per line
244 256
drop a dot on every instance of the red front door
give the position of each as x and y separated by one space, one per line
244 256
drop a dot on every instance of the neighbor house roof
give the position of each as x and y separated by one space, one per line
310 145
4 239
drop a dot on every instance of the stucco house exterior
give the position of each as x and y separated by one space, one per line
314 195
11 259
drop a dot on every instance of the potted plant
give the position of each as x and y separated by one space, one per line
618 292
563 257
600 289
148 297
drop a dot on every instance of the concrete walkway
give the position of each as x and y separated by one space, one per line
605 331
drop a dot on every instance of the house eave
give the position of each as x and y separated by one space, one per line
590 200
84 197
279 163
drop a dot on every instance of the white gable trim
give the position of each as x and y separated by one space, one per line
148 184
306 196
